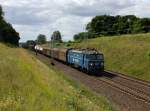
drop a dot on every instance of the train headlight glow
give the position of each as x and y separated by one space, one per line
91 64
102 64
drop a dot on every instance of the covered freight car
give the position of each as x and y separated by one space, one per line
55 53
47 51
63 54
60 54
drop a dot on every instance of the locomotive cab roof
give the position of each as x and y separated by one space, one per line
87 51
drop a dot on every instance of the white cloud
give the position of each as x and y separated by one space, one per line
140 9
31 17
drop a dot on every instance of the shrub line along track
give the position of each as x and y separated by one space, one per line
127 85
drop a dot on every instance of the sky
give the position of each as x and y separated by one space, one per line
33 17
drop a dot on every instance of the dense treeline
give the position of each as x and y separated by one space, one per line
7 32
114 25
41 39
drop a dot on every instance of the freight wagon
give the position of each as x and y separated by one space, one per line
60 54
86 59
47 52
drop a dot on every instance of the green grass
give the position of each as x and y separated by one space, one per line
26 84
129 54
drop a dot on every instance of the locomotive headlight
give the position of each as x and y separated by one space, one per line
102 64
91 64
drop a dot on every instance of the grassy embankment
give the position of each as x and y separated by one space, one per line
26 84
129 54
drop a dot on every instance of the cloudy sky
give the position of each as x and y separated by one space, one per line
32 17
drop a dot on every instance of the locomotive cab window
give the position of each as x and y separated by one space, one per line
94 56
100 56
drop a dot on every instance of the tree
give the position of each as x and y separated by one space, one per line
145 23
77 37
7 33
114 25
101 24
83 35
41 39
137 26
1 13
56 36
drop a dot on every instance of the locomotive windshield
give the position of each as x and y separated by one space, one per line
94 56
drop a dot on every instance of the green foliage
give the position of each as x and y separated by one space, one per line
7 32
145 23
79 36
148 54
41 39
83 35
136 27
56 36
68 45
102 24
106 25
113 25
1 13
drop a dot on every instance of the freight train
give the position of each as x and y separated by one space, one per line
88 60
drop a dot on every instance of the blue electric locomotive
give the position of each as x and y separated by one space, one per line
89 60
85 59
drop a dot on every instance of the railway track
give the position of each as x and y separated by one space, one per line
132 83
142 82
126 84
117 84
129 85
138 94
